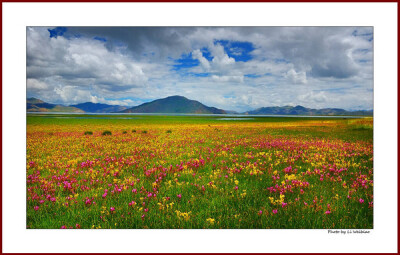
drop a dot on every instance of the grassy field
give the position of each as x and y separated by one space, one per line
94 171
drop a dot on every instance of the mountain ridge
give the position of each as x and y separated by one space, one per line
180 104
301 110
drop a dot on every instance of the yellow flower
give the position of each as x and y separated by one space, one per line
211 221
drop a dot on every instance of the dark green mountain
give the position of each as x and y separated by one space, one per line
300 110
37 105
99 108
174 104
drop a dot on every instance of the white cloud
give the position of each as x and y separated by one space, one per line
33 84
296 77
221 60
72 67
203 61
312 97
72 94
233 78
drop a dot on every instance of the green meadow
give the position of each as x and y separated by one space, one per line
195 172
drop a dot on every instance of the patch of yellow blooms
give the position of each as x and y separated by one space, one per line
183 215
278 201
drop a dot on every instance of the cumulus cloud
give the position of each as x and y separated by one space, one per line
71 67
221 59
196 54
296 77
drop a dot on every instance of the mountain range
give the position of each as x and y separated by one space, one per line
300 110
180 104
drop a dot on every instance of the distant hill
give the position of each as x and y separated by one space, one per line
33 100
300 110
99 108
37 105
174 104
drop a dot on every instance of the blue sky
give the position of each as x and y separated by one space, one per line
233 68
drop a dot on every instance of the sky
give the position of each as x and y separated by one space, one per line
232 68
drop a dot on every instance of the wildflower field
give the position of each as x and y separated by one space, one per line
135 172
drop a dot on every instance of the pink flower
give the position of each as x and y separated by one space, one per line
134 190
275 211
104 195
36 208
327 212
63 227
361 200
260 212
41 201
284 204
112 209
179 196
77 225
146 210
143 216
53 199
236 188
